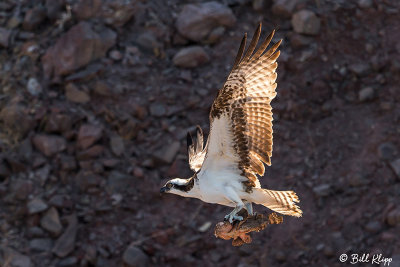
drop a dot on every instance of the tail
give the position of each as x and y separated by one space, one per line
278 201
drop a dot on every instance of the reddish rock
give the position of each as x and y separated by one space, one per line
73 94
306 22
16 118
21 188
76 48
51 221
92 152
49 144
191 57
167 154
86 9
58 123
33 18
196 21
88 135
284 8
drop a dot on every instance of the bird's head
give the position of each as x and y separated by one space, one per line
177 186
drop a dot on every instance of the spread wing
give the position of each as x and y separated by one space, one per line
241 115
196 151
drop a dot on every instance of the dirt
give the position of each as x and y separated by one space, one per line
93 125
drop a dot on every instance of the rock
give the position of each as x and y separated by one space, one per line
73 94
54 8
284 8
366 94
36 205
21 188
13 258
34 87
65 244
35 231
50 221
205 227
306 22
258 5
322 190
387 151
365 3
92 152
69 261
157 109
190 57
58 123
215 35
61 201
33 18
49 144
85 9
41 244
103 89
76 48
147 41
16 118
86 180
373 227
115 55
4 37
68 163
196 21
118 182
88 135
25 150
118 13
393 217
298 40
168 153
117 145
395 164
135 257
138 172
361 69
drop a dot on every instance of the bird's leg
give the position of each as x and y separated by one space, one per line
233 215
249 208
231 194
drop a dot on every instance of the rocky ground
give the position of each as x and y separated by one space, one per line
96 99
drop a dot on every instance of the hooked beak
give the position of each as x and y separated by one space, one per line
164 190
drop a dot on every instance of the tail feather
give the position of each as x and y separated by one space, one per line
279 201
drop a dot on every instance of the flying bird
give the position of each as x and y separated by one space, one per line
240 139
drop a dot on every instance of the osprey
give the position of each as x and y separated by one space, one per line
240 139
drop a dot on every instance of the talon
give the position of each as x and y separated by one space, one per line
238 218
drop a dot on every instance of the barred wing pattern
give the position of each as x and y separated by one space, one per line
196 151
242 110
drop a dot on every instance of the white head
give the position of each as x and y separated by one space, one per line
178 186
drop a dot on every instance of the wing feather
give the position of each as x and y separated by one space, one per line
196 151
241 115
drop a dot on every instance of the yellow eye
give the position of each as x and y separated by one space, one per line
169 185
